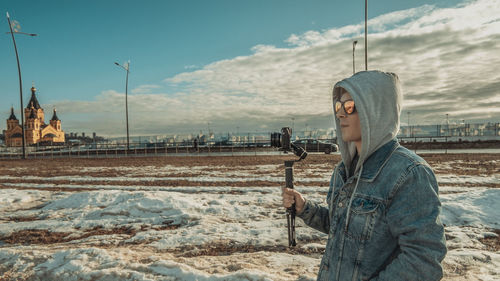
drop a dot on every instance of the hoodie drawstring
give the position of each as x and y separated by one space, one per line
350 200
347 221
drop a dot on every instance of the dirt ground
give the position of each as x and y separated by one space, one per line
470 165
474 164
15 172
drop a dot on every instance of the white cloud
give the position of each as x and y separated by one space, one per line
442 55
377 24
447 58
144 89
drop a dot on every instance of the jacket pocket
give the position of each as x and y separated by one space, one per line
364 214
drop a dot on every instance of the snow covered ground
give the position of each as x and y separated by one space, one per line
162 219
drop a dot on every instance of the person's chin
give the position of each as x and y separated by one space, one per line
345 133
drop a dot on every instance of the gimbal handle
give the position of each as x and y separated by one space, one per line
290 212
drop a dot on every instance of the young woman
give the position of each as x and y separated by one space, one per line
383 209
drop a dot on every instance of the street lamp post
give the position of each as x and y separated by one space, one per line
409 128
126 99
208 134
12 32
353 65
366 36
465 128
447 125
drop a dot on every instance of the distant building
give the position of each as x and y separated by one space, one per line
35 129
73 138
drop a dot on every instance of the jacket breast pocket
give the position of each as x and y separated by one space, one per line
364 214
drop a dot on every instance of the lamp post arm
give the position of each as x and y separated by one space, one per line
18 32
126 69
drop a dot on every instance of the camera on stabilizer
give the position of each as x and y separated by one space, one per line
282 141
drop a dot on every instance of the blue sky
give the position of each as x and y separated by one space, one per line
246 64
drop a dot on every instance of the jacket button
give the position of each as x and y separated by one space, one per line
341 205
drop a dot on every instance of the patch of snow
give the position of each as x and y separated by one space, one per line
478 208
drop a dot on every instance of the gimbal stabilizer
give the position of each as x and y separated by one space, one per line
283 142
291 212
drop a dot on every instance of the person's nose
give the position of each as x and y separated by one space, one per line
341 113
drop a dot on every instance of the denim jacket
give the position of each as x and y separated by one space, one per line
394 230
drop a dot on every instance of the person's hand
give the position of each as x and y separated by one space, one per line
291 196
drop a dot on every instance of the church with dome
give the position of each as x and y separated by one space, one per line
36 131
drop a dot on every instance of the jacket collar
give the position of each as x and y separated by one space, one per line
374 164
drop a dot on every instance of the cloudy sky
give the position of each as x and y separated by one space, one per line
246 65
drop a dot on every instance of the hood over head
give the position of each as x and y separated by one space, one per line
378 99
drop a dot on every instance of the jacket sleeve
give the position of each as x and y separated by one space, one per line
413 216
315 216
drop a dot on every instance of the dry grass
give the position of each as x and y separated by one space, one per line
43 236
493 243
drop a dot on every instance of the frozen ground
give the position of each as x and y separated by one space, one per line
207 218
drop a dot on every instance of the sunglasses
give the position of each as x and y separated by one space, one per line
348 106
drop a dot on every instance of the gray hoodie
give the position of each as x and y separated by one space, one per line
377 96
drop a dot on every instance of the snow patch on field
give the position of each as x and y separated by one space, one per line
169 233
454 179
479 208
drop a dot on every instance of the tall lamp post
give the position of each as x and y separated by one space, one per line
465 127
447 125
208 134
366 36
409 128
353 47
126 99
16 29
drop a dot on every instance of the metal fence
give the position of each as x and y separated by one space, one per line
184 148
108 150
222 148
484 130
